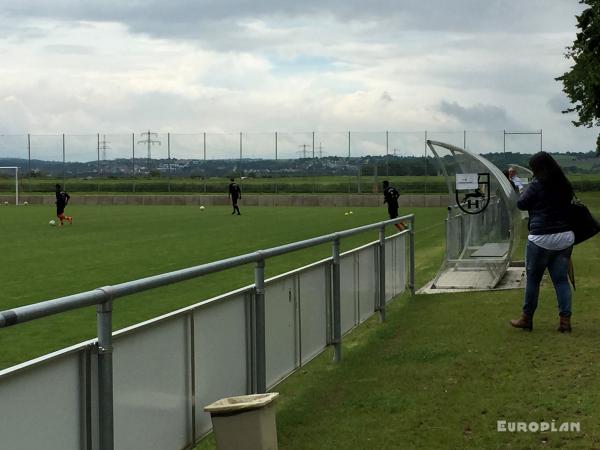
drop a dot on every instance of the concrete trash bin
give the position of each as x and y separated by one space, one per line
245 422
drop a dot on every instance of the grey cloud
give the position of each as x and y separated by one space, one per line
479 116
559 103
184 19
386 97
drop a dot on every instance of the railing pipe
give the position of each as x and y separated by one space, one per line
411 257
381 305
336 297
105 376
50 307
259 299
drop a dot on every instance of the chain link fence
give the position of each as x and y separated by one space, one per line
302 162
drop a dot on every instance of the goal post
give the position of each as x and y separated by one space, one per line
12 170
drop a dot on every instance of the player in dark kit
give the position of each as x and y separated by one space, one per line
235 193
62 200
390 196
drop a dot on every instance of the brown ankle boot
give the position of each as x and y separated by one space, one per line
564 325
525 322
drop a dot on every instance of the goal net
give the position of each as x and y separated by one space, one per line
9 184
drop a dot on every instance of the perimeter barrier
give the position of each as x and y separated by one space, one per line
143 387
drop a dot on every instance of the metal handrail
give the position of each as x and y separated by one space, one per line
103 299
107 293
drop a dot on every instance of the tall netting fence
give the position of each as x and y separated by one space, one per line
269 162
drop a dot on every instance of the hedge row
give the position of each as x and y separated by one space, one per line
160 186
212 188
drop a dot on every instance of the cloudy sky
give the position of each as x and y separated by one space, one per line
225 66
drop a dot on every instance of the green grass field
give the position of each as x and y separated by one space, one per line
445 368
438 374
113 244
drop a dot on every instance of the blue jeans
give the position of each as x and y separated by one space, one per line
557 263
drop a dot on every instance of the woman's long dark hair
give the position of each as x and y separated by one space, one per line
547 171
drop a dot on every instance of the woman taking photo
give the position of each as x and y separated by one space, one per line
550 240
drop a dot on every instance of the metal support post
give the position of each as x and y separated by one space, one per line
105 376
349 144
99 168
29 159
98 151
64 163
411 257
336 297
133 160
426 165
382 274
204 167
169 159
259 299
193 373
16 186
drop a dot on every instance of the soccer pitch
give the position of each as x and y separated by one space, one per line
112 244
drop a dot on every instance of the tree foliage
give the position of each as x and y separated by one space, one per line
582 82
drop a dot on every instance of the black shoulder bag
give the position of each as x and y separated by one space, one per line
583 224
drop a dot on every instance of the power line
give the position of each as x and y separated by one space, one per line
104 146
303 151
321 152
150 142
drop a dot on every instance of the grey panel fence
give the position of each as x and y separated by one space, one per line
144 387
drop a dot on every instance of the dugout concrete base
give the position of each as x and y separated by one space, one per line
344 200
514 278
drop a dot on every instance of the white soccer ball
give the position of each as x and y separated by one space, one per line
351 212
26 203
345 213
52 222
202 207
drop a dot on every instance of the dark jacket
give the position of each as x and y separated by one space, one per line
546 214
390 196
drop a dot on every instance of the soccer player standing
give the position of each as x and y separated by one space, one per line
235 194
62 200
390 196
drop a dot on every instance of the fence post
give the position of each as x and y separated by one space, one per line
99 168
105 375
382 273
169 158
259 299
426 168
192 362
204 150
64 163
411 257
133 161
29 159
336 297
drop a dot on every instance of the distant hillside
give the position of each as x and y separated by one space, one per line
570 162
573 163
